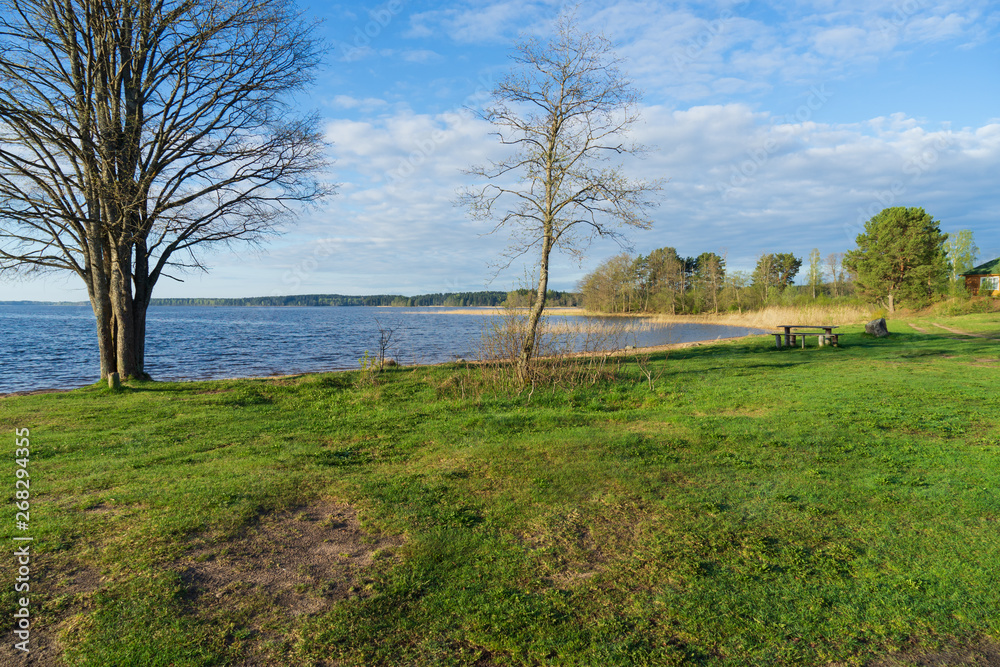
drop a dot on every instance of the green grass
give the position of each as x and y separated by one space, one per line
758 506
986 324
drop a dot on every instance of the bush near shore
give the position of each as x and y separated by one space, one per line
749 506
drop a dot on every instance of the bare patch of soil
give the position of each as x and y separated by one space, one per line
81 579
67 587
575 546
959 331
288 380
292 563
302 559
33 392
99 508
983 653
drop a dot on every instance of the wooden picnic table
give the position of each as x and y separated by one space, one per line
793 331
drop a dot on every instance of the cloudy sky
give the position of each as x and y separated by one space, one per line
779 127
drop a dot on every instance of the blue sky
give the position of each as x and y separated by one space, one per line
780 127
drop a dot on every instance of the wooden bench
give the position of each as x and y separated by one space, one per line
822 337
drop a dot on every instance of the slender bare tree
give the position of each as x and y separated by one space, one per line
815 271
836 269
133 132
564 110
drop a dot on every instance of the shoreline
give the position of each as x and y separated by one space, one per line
610 353
666 347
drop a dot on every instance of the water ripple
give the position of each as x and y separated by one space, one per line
55 347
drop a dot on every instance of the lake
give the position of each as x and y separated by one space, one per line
55 347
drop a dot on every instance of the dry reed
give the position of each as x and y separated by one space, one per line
567 354
774 316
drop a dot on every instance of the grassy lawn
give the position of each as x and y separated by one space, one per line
980 324
756 506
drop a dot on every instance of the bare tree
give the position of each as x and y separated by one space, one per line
762 276
717 277
836 270
709 273
666 279
385 338
735 287
564 110
606 289
815 271
774 272
133 132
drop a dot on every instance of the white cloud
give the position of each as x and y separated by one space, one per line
736 181
937 28
698 52
848 42
350 53
422 56
813 185
743 175
367 104
483 22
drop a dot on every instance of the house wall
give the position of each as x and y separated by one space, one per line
972 284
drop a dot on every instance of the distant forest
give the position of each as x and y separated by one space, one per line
666 282
449 299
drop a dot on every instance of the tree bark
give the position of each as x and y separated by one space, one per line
581 106
131 128
100 303
531 335
121 303
140 305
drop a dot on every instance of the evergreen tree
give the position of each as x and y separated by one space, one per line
900 257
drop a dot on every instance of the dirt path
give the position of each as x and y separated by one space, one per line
916 328
958 331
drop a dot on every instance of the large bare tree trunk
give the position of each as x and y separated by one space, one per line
121 304
135 129
140 304
105 340
100 303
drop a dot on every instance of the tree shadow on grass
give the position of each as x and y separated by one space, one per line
981 652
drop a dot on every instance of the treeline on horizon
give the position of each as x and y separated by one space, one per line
665 282
447 299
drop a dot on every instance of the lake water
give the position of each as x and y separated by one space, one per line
43 347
